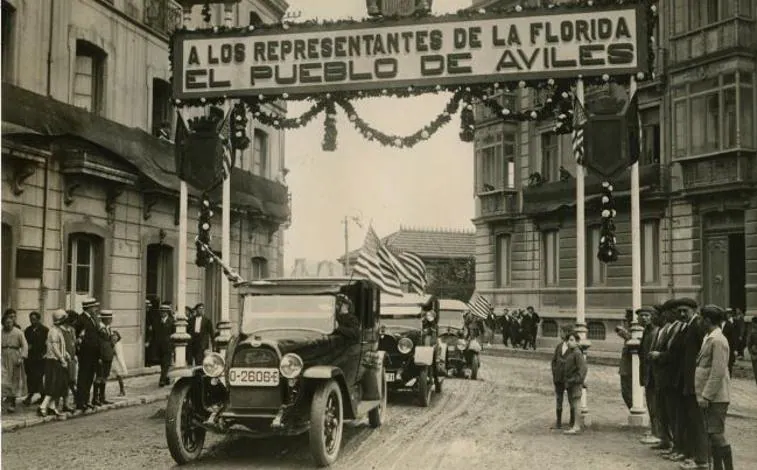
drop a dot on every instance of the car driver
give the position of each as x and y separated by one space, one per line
348 325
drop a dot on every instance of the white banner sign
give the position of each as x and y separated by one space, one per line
419 52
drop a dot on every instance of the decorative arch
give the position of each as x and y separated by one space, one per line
85 225
13 222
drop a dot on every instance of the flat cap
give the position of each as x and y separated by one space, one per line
686 302
669 305
647 310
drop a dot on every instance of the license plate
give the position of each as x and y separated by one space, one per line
390 377
251 377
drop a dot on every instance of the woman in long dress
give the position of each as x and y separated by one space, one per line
56 366
15 351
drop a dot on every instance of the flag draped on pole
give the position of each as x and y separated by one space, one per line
479 306
375 262
579 121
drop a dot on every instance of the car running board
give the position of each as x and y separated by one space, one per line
365 406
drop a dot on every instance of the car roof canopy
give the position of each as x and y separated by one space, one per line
301 286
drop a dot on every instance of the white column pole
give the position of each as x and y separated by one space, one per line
181 337
637 412
581 263
224 327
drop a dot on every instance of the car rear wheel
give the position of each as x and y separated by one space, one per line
185 438
425 386
376 415
326 420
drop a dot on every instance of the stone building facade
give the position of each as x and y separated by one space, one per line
89 193
698 178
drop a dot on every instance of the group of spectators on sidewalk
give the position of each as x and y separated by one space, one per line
75 356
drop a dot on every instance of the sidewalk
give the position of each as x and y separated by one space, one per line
141 389
742 369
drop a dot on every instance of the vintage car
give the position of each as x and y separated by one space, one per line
452 336
296 366
409 336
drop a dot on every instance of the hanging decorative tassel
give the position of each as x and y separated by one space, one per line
608 252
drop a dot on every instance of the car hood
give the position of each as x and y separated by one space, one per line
305 342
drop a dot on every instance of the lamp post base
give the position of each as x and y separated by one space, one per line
638 419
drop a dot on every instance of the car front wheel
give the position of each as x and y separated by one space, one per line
185 438
376 415
326 420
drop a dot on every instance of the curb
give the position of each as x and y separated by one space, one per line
29 422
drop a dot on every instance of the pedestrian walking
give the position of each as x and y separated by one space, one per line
34 365
713 386
56 366
752 346
558 379
87 332
162 331
15 351
107 353
201 335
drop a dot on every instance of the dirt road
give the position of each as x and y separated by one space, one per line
500 422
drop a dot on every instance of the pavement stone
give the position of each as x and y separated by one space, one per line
140 390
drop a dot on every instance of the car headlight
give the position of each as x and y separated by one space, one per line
430 316
213 365
405 345
462 344
291 365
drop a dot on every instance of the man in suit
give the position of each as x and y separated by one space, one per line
712 385
649 319
162 330
201 334
661 371
558 379
624 369
34 364
88 339
107 353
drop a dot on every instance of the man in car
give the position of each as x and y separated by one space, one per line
348 324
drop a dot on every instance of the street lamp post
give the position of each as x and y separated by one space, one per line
346 223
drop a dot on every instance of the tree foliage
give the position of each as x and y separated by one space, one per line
452 278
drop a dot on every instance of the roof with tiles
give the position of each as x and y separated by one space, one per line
429 243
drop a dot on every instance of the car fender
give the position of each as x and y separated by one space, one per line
322 372
424 355
193 371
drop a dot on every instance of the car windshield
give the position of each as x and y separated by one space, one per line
261 312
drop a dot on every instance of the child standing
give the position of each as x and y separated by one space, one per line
575 375
119 363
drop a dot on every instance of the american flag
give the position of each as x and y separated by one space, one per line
479 306
413 270
579 120
375 263
228 151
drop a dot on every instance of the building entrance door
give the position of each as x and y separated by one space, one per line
724 260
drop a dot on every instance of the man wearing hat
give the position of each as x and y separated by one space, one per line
88 338
201 334
649 319
107 352
162 330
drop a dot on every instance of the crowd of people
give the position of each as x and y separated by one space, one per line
519 327
74 357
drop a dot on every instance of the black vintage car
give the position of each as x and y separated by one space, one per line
409 335
461 360
302 362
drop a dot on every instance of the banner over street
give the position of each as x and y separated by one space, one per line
426 51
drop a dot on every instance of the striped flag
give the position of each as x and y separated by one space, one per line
479 306
375 262
413 270
228 152
579 121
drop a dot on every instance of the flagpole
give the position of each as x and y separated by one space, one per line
581 260
637 412
224 326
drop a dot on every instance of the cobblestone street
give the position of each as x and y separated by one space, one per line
501 422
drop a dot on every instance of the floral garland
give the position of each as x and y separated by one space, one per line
607 252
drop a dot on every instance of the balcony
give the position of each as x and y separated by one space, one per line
726 35
721 171
498 203
163 16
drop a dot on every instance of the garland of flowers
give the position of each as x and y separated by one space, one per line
607 252
277 122
408 141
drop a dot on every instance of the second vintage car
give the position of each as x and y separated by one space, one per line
305 360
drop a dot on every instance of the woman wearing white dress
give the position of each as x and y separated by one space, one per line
119 364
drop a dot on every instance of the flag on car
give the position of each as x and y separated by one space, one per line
375 263
479 306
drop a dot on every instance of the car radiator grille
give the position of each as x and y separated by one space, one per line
247 356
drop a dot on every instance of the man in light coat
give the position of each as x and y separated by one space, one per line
712 384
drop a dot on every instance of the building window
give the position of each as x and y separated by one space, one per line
549 329
84 276
160 272
650 121
550 157
720 115
503 260
496 161
596 271
259 268
260 153
161 109
8 23
551 250
89 75
650 252
596 331
690 15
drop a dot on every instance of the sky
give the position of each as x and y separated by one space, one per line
429 185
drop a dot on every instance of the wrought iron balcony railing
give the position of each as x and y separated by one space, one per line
499 202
